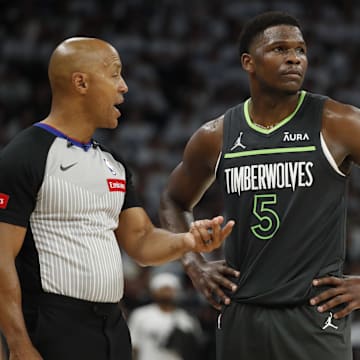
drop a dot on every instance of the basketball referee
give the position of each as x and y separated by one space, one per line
66 206
282 159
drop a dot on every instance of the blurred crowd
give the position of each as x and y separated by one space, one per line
181 64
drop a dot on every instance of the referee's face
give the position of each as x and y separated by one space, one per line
107 89
278 59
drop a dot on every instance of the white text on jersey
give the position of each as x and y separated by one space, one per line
269 176
290 137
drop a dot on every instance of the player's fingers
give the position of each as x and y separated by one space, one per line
344 312
337 300
224 282
221 297
211 300
328 280
222 268
218 294
325 295
226 270
219 263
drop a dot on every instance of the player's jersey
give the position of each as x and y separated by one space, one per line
288 203
69 197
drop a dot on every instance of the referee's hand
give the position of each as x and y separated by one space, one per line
207 235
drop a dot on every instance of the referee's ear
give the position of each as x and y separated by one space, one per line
80 82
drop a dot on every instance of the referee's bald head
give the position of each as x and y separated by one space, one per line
77 55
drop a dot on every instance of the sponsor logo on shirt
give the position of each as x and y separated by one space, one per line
291 137
238 143
116 185
329 323
4 200
64 168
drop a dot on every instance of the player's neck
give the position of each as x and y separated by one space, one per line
268 110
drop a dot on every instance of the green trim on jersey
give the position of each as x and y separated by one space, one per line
270 151
281 123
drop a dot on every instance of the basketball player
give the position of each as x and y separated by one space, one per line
66 206
282 159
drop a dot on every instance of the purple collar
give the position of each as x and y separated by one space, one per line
52 130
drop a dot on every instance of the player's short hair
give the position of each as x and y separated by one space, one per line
261 22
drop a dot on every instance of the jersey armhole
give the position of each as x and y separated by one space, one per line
329 157
217 164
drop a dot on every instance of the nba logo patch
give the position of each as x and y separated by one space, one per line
110 166
4 200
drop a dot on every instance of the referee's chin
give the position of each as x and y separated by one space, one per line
112 124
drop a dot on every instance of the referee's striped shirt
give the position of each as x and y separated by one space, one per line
69 195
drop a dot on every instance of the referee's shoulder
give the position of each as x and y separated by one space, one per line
28 139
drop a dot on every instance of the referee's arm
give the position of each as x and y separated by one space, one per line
12 322
149 245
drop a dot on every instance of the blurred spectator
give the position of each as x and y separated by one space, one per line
161 330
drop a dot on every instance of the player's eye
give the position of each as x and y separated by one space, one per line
278 49
300 50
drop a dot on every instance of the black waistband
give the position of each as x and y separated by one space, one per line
77 304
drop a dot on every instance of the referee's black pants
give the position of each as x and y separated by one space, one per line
64 328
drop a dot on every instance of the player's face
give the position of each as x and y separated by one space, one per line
279 59
108 89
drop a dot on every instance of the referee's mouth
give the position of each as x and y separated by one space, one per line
117 107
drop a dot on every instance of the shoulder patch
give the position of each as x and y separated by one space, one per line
4 198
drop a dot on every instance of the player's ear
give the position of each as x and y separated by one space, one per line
247 62
80 82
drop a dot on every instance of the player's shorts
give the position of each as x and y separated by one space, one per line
251 332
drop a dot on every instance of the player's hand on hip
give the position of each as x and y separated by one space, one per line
210 278
207 235
344 291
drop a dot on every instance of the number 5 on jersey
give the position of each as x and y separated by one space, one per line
269 221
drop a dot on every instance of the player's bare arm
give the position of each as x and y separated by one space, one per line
187 184
149 245
341 130
12 321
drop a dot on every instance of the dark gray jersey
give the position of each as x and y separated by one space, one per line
288 202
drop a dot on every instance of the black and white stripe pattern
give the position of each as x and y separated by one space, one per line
81 259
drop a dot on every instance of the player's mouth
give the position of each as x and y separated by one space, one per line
294 74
